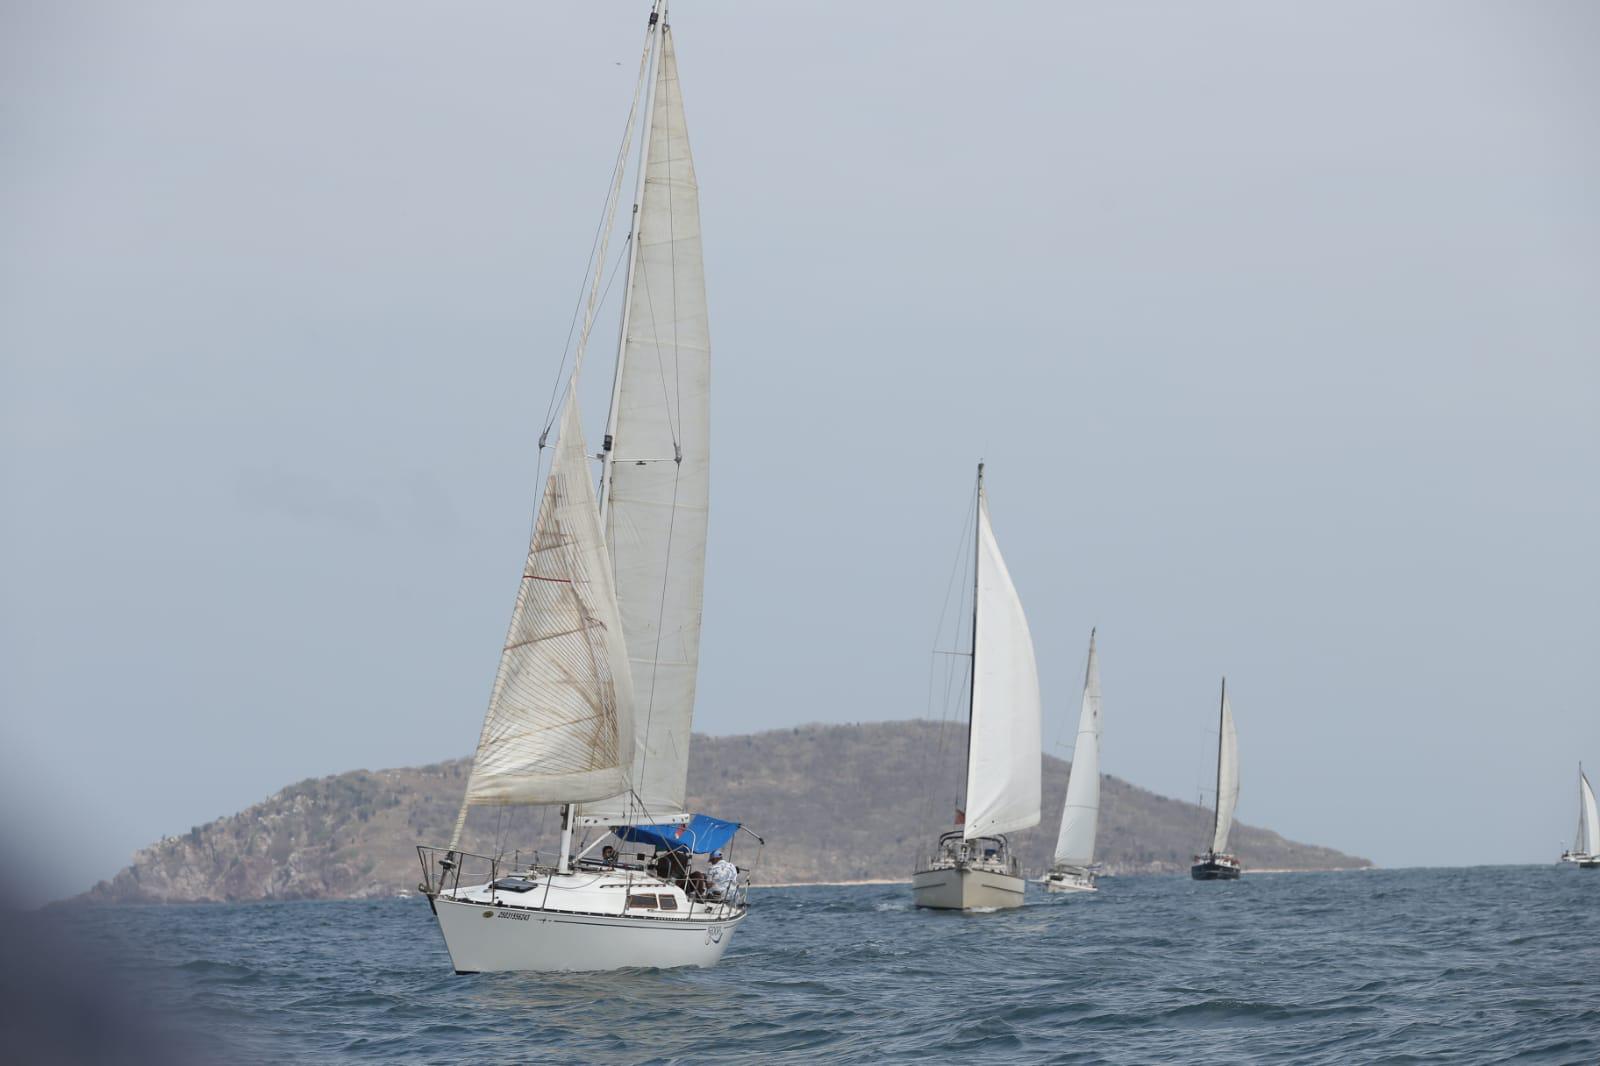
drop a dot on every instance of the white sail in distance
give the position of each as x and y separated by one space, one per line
1227 776
1003 773
559 727
1080 815
1588 818
657 482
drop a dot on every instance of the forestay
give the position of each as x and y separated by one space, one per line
1588 818
560 722
658 483
1003 756
1080 816
1227 777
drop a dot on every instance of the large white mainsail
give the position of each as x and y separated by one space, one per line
656 479
1227 776
1080 815
559 727
1003 751
1588 842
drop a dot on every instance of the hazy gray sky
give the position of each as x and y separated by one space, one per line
1275 323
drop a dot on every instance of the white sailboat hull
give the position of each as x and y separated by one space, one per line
1583 862
487 938
966 888
1068 882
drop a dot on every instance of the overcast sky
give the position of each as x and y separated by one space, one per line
1276 325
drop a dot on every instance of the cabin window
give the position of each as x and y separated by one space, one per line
642 902
668 903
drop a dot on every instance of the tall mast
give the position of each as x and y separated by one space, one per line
652 40
652 37
972 670
1216 819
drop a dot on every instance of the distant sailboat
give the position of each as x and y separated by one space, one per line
1585 850
1072 869
972 866
1216 864
593 701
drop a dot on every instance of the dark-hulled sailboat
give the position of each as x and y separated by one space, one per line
1216 864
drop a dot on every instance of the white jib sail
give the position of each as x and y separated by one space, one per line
1588 818
1227 776
560 722
1080 817
1003 760
659 478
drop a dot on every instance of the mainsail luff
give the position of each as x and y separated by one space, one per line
1080 813
1003 747
656 481
559 727
1227 775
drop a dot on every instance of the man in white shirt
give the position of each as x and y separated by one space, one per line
723 876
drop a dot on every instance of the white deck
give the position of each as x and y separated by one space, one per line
1068 881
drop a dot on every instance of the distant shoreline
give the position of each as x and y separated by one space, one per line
1173 873
823 884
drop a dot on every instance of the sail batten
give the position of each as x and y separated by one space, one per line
1003 771
1080 814
1227 776
559 727
658 460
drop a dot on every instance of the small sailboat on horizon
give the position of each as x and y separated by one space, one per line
1072 868
972 866
1216 864
1585 850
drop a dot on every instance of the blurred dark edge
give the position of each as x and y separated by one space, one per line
68 997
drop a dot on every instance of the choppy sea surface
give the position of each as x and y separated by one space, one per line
1493 964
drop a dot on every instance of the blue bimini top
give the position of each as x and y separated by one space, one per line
701 834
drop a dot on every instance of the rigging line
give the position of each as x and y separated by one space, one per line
577 309
960 672
572 378
944 610
955 671
597 252
608 218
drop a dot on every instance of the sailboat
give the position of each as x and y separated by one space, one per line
1585 850
1216 864
1072 869
972 866
593 700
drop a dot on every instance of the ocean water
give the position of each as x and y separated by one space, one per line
1493 964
